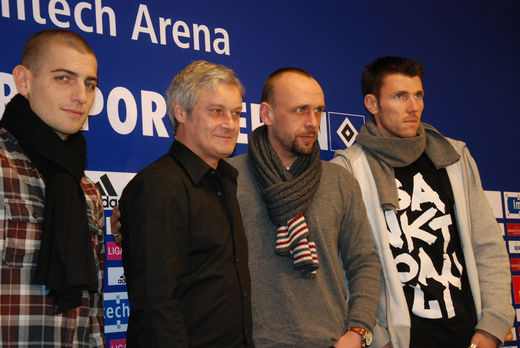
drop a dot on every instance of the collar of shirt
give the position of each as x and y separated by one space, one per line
195 167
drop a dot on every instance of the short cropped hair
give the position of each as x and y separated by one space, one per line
373 74
185 85
36 46
268 89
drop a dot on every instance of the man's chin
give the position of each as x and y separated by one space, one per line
302 150
226 153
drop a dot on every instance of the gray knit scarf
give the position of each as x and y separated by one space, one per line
386 153
287 194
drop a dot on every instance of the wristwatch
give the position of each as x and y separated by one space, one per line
366 335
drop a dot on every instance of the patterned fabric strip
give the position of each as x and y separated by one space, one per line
292 240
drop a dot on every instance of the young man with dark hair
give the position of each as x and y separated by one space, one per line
445 267
52 239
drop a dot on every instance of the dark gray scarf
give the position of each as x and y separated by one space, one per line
287 194
386 153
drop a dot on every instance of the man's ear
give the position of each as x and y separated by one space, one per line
371 104
180 113
22 79
266 112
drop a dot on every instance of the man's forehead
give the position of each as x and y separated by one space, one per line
289 77
56 49
401 79
219 92
298 88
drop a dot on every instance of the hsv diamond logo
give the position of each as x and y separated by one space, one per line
347 132
117 311
512 205
110 185
343 129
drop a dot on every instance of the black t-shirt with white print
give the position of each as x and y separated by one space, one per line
427 250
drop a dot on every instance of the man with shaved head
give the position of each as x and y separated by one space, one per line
51 239
306 226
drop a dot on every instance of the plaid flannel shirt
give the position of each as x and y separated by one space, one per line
26 312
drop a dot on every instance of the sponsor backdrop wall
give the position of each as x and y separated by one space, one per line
469 50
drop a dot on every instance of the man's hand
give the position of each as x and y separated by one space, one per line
115 225
349 340
484 340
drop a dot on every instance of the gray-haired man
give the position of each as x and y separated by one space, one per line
184 248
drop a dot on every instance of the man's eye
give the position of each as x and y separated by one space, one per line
399 96
90 85
62 78
300 110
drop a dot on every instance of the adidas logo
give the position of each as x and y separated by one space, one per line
110 185
115 276
108 193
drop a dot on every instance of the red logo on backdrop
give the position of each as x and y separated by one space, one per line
513 229
516 288
515 265
113 251
118 343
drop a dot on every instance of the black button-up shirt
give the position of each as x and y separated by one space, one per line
185 255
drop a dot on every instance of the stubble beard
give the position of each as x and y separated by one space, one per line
301 150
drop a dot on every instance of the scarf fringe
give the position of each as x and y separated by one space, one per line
292 240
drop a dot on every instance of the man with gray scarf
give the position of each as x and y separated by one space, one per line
445 267
306 227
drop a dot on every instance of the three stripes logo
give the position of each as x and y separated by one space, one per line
108 193
110 185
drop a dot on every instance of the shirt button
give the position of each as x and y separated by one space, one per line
219 193
244 294
237 260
